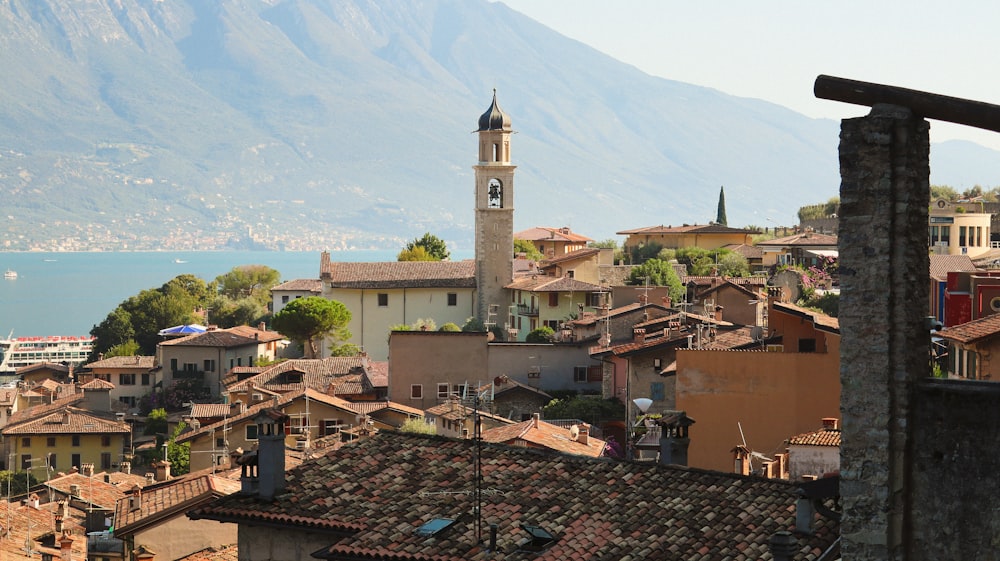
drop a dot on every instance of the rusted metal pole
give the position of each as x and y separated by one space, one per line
928 105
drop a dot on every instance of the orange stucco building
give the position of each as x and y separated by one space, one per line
769 395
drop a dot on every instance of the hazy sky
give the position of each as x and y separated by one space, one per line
773 50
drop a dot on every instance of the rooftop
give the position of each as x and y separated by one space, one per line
400 274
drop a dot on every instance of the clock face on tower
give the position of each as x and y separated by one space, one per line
494 193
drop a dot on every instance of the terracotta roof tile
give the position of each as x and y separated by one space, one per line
986 326
217 338
571 256
544 234
146 362
37 410
97 384
91 489
748 251
401 274
223 553
687 229
169 499
543 283
315 373
941 265
540 434
819 319
299 285
209 410
68 420
262 335
822 437
804 239
376 492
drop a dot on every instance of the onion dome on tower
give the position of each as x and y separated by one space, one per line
494 119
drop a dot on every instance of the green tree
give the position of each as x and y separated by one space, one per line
345 349
720 215
226 312
156 422
734 265
309 320
659 273
434 246
418 253
943 192
179 455
609 243
528 249
248 281
450 326
474 325
543 334
128 348
417 425
18 483
116 329
593 411
645 252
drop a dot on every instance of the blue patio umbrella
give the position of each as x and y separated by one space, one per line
178 330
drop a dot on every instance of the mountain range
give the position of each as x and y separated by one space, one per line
332 124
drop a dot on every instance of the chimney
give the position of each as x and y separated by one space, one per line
718 313
74 490
135 499
584 437
638 335
150 478
666 301
87 469
643 299
59 523
126 467
33 500
65 417
674 438
465 433
783 546
534 420
271 451
107 478
831 423
65 547
64 508
262 326
162 470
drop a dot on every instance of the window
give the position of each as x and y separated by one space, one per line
416 391
579 373
595 373
50 441
105 440
52 462
383 300
210 365
553 299
442 391
594 299
128 401
570 273
452 299
552 324
220 442
239 361
26 442
656 391
74 460
284 299
126 379
173 365
105 460
145 379
961 236
25 462
76 440
330 426
251 433
807 345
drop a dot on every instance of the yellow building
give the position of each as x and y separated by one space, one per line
538 301
65 438
958 233
706 236
553 242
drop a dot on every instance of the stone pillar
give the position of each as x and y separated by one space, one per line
884 198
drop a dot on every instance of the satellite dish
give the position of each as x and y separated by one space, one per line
574 432
757 333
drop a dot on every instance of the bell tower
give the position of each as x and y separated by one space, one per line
494 214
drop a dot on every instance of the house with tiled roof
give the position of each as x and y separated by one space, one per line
8 404
42 371
154 517
454 419
548 301
386 414
971 346
208 356
131 376
704 236
287 291
815 454
553 243
297 374
31 530
229 552
380 295
44 392
513 399
404 496
734 302
775 386
753 254
940 266
313 415
66 437
804 248
85 489
582 264
536 433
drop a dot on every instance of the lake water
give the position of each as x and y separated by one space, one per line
69 293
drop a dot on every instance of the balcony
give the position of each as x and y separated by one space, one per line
189 374
526 310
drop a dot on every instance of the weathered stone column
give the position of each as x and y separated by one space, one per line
884 198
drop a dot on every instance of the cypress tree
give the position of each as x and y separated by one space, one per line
720 218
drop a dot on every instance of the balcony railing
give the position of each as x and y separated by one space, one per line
526 310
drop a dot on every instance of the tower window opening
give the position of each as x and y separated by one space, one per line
496 152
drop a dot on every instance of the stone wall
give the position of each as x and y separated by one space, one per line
956 428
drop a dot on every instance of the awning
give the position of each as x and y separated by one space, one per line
823 252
